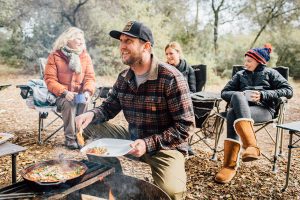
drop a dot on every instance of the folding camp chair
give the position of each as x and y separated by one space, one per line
27 93
100 93
201 76
277 120
206 106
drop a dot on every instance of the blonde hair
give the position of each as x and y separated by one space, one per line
176 46
67 35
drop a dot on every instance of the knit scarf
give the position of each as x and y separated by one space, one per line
73 56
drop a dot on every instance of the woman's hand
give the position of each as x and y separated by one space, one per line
255 95
87 96
83 120
70 95
139 148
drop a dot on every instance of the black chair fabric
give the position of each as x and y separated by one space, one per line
201 76
202 110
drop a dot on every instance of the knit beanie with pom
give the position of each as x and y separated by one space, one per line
261 55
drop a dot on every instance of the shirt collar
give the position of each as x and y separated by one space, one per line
153 73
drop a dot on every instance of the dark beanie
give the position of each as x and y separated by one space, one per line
261 55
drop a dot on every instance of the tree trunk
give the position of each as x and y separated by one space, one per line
216 24
197 15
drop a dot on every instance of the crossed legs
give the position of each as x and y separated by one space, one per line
240 120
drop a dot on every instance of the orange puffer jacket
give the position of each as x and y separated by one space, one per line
59 77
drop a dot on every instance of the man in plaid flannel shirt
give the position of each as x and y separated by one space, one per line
155 100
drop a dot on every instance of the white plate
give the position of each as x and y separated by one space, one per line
114 147
5 136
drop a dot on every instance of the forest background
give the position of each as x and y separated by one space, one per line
212 32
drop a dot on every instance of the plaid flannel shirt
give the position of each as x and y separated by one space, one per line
159 111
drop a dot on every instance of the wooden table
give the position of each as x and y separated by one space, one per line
294 130
8 148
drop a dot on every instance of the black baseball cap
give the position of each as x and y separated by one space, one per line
134 29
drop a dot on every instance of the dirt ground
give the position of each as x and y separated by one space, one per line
254 180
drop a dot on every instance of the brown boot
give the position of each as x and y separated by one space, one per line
230 164
244 128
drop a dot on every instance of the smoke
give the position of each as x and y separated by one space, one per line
122 187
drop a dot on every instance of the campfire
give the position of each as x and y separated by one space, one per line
117 186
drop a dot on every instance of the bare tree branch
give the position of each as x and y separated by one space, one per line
71 16
274 12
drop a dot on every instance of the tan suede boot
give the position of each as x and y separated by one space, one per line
244 128
230 163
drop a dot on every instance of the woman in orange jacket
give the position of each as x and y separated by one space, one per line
70 76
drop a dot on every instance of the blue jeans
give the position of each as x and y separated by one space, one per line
240 108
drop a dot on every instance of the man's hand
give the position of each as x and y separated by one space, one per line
83 120
139 148
70 95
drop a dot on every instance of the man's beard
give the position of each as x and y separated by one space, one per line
132 61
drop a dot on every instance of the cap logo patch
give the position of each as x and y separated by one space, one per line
128 26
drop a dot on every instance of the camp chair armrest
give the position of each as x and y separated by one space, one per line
24 90
283 100
102 92
22 86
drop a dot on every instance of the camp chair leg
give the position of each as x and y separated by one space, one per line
281 139
281 121
219 128
47 138
58 115
41 127
275 169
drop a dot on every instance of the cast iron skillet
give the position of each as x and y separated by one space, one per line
70 163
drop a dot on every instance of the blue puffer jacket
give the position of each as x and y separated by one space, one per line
270 82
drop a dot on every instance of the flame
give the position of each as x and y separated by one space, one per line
110 195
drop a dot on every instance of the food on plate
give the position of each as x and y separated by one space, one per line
97 150
80 138
54 173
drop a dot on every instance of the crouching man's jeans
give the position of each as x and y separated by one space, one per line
167 166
